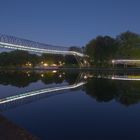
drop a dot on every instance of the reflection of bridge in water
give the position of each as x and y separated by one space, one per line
126 78
121 77
28 97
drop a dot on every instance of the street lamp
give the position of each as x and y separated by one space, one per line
113 62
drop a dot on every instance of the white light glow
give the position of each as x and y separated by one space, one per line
38 50
54 71
38 92
45 64
126 79
125 60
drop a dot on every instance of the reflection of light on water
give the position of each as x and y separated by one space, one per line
28 74
45 64
38 92
124 78
54 71
85 77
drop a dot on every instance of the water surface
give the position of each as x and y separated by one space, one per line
76 105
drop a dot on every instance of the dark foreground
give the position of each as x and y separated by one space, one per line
10 131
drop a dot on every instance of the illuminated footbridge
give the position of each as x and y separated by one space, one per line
10 42
126 62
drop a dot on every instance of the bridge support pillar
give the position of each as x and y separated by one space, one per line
81 61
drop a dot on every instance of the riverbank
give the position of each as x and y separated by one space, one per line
73 68
10 131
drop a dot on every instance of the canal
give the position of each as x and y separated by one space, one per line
73 105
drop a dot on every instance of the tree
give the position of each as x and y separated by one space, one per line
101 50
34 59
129 45
50 59
13 58
18 58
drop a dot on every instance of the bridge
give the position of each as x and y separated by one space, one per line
14 43
125 62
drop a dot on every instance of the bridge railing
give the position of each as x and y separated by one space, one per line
25 42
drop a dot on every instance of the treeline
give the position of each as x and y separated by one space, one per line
103 49
20 58
17 58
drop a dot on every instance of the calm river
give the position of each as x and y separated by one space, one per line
73 105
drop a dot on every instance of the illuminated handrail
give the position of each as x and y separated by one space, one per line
125 61
10 42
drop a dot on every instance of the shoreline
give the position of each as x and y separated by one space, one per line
11 131
72 68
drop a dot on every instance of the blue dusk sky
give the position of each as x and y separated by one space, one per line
68 22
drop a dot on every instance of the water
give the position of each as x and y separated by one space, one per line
86 105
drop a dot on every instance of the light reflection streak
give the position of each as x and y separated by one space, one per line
38 92
125 78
